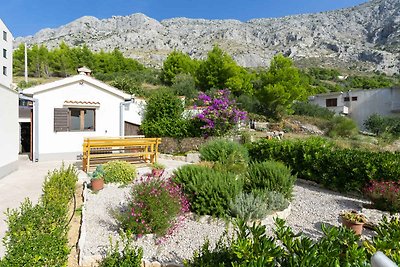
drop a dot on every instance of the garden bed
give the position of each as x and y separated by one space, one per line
311 207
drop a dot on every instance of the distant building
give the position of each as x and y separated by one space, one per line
8 106
361 104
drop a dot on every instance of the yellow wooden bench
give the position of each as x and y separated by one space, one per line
131 149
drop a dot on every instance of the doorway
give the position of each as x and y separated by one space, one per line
26 137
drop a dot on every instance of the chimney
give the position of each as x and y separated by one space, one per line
85 71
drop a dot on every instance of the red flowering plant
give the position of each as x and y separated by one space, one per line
156 206
220 114
385 195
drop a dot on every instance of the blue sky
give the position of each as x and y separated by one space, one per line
26 17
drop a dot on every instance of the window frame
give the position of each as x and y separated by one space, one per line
329 104
82 120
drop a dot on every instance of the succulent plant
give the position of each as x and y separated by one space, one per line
353 216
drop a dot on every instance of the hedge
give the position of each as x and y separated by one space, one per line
37 234
318 160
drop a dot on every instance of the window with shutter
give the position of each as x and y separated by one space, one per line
61 120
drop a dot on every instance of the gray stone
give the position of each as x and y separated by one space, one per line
370 41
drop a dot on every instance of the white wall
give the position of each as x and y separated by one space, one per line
134 112
107 118
9 130
379 101
6 80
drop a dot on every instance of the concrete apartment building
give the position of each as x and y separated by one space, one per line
360 104
9 130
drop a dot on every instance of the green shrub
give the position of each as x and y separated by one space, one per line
342 126
387 239
221 150
129 256
209 191
119 172
317 160
248 206
154 205
251 246
312 110
37 234
270 176
380 125
59 186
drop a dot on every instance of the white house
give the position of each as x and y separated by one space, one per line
360 104
8 106
68 110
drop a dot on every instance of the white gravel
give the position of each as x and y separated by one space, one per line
311 206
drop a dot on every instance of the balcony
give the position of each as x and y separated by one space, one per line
340 109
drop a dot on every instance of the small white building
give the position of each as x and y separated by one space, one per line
361 104
68 110
8 106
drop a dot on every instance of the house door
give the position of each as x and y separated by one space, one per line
131 129
26 137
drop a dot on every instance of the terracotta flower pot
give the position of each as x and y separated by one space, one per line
97 184
157 172
357 227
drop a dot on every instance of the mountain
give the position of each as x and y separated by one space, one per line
365 37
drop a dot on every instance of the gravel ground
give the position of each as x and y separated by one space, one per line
311 207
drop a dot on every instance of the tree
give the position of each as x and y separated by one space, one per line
163 116
177 63
282 85
219 70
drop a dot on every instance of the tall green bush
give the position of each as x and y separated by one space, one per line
209 191
270 176
37 234
318 160
220 150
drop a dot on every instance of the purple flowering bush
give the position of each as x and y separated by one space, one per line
220 115
155 206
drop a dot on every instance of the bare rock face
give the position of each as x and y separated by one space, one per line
366 36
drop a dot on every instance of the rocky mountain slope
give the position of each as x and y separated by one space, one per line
365 37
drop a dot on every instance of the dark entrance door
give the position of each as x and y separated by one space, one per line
26 137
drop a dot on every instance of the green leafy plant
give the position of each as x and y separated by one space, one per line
387 239
98 173
119 172
209 190
318 160
37 234
385 195
270 176
154 206
130 256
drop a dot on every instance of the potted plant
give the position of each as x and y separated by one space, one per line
157 169
97 178
353 220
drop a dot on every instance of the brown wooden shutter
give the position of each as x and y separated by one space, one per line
61 120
